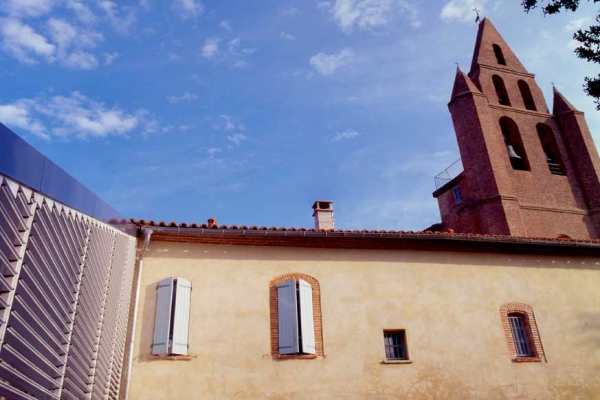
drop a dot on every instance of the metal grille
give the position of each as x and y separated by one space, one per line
395 345
519 334
448 174
65 287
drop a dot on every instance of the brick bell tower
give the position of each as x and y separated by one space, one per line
526 172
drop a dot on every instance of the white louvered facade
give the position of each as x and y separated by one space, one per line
65 290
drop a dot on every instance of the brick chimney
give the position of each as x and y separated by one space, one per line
323 213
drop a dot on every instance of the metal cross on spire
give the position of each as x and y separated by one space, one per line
477 19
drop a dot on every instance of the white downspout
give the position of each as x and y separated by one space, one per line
147 233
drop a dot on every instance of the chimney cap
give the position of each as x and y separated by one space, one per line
323 205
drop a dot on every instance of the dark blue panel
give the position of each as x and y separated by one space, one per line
23 163
19 160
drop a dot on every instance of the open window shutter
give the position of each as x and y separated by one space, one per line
307 322
288 317
160 344
182 316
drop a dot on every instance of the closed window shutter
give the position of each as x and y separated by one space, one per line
160 344
287 317
307 322
182 316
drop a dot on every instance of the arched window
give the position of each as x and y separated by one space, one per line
501 91
172 317
499 55
296 328
526 95
514 145
521 332
553 157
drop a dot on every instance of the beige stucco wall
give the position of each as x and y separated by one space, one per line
447 302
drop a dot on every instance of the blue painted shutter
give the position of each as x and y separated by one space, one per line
182 316
160 344
307 322
288 317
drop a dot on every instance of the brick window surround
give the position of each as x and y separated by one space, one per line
316 299
531 330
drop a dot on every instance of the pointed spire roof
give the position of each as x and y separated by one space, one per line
561 104
463 84
486 53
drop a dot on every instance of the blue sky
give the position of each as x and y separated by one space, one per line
248 111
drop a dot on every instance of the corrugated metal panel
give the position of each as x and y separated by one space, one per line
15 227
182 316
307 322
68 313
288 317
160 344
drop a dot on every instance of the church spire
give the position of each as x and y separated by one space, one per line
561 104
492 50
462 84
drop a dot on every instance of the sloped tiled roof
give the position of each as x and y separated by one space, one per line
448 233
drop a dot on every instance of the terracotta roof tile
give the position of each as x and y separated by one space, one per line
151 223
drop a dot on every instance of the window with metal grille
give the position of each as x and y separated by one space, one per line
395 345
457 195
519 334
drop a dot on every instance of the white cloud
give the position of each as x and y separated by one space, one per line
371 14
81 11
287 36
66 35
121 19
17 116
462 10
234 43
109 58
80 60
75 115
240 64
188 8
184 97
237 138
226 25
231 54
227 122
323 5
211 47
71 41
23 42
345 136
31 8
328 64
576 24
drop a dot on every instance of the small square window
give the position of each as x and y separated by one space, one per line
457 195
395 345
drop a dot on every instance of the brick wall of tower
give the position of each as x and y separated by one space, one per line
497 198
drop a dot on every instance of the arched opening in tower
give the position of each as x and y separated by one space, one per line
501 90
514 145
551 152
499 55
526 95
